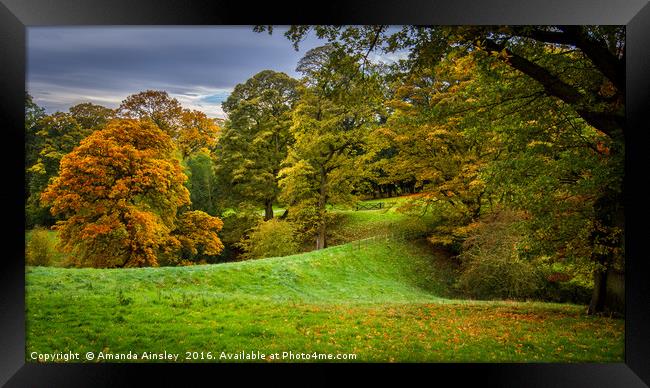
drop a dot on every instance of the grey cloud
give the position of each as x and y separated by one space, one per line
69 64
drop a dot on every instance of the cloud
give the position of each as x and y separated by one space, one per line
197 65
59 98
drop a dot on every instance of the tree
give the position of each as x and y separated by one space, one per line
192 132
271 238
120 193
582 67
56 135
196 232
598 100
338 105
197 137
154 105
432 143
33 114
202 182
197 132
91 116
256 137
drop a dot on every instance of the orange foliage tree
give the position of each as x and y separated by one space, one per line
120 193
197 132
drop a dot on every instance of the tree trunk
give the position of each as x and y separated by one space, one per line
609 214
321 241
597 303
268 209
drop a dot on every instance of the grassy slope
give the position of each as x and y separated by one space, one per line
381 301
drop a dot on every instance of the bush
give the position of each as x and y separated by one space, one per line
40 248
237 222
491 264
306 219
270 239
563 284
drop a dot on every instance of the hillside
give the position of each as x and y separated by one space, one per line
382 300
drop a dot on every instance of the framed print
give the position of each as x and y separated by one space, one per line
450 189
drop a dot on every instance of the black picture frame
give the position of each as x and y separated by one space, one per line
16 15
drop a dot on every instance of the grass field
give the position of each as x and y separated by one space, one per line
383 300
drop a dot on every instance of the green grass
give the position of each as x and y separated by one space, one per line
351 225
382 300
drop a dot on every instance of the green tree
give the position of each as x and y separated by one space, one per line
256 136
92 116
157 106
57 135
338 106
202 182
33 115
271 238
580 69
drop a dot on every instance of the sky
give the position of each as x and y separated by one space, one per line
199 66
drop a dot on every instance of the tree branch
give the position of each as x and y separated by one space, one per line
611 67
608 64
606 122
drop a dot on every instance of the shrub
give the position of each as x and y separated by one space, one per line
306 219
564 284
237 222
269 239
40 248
491 264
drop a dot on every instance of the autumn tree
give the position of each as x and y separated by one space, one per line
91 116
337 107
430 143
120 193
164 111
196 231
196 132
256 137
192 132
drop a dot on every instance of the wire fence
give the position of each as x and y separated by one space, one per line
364 206
394 236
